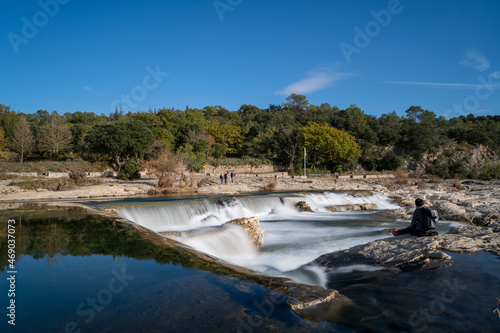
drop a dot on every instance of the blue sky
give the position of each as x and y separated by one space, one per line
76 55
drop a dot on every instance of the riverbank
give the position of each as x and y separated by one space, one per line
472 202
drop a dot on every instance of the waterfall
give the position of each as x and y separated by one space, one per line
291 239
318 201
197 213
232 243
191 214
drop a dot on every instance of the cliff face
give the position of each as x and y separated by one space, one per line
458 158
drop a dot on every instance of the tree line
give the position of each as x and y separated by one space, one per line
335 139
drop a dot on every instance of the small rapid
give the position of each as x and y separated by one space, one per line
291 238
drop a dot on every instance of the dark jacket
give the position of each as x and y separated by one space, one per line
418 220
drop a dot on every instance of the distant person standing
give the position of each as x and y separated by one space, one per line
221 179
232 175
225 178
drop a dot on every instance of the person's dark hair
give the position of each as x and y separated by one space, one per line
419 202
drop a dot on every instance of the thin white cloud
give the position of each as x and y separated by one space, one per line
483 111
495 75
476 60
315 80
444 85
87 88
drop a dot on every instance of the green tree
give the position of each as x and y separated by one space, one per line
3 145
8 120
414 113
420 130
297 103
389 129
55 135
120 140
218 151
22 140
329 147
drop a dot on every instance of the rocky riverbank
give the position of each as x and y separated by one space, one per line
471 202
413 253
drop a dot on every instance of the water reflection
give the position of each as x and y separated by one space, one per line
93 274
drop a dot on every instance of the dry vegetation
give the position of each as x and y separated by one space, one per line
167 167
269 187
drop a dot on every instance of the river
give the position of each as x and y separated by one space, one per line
78 272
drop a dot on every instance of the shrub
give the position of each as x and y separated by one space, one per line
390 161
401 177
437 168
271 186
131 170
166 182
204 181
458 170
490 173
78 175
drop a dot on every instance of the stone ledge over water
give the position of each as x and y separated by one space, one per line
251 226
413 253
363 206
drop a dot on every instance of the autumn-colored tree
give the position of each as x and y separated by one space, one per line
55 135
329 147
167 166
22 139
229 135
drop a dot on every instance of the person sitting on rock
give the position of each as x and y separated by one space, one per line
419 226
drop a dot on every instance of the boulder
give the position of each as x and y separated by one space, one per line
363 206
446 208
252 226
302 206
224 201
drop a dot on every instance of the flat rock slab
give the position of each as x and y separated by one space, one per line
412 253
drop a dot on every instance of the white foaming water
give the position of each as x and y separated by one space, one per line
230 244
320 201
197 213
355 268
180 217
291 239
